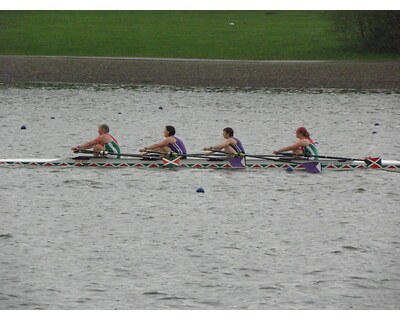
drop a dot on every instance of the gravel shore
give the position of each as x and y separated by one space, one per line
200 73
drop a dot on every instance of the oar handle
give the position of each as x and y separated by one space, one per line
87 151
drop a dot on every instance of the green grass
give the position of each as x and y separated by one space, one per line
272 35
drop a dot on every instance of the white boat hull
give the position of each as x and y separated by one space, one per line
392 165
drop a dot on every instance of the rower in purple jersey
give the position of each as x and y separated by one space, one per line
169 144
231 144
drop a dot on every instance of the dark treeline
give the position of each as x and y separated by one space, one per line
377 31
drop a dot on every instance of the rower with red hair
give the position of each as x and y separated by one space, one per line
304 146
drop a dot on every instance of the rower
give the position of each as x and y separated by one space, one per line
170 144
105 142
304 146
231 144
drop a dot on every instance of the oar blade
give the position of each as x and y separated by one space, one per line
312 167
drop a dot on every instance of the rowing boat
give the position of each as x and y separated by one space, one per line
202 163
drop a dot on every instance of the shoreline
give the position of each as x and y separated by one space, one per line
200 73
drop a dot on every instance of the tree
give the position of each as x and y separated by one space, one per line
377 31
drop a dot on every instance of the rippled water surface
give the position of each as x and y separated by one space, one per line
101 238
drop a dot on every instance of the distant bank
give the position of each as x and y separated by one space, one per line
200 73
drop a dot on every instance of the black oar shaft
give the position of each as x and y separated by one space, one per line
271 159
133 155
322 156
267 157
111 153
309 166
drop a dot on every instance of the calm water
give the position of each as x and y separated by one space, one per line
92 238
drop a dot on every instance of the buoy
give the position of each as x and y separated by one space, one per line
23 127
289 169
201 190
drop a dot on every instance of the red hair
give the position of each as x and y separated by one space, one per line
303 131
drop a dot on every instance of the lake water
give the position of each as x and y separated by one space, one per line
101 238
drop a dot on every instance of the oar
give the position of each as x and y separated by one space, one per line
319 156
227 153
368 162
112 153
245 154
134 155
202 156
176 154
194 155
310 167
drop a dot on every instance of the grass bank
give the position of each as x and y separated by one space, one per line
252 35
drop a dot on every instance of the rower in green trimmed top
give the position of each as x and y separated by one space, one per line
231 144
104 142
304 146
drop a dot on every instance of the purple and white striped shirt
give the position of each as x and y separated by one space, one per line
178 146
